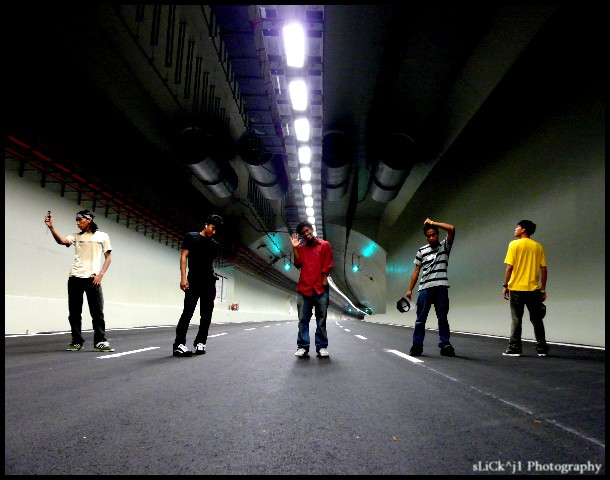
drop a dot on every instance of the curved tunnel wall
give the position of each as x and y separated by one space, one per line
396 160
197 148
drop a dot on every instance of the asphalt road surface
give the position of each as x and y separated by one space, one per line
250 407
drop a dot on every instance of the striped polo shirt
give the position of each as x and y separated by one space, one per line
433 262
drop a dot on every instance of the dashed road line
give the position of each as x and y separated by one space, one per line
114 355
405 356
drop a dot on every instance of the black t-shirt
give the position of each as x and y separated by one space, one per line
200 260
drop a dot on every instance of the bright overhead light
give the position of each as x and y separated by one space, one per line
294 43
301 125
309 201
298 94
312 220
305 174
307 189
309 211
304 154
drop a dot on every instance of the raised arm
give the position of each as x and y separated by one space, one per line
445 226
48 220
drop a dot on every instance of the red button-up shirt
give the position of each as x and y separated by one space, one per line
314 261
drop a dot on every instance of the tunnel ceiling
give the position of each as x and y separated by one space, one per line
154 104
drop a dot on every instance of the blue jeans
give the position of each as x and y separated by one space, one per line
95 298
439 297
205 293
305 307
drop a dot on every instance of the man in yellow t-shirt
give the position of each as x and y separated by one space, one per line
525 286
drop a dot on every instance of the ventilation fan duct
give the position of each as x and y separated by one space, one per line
396 159
267 170
336 165
197 148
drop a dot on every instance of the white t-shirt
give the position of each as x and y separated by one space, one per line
89 253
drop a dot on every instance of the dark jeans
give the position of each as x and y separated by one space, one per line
533 301
439 297
305 307
206 292
95 298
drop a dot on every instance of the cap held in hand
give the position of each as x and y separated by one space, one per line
403 305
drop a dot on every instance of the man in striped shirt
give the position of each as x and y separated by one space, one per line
432 260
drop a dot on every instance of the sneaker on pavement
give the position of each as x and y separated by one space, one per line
200 349
511 352
74 347
447 351
301 352
182 351
103 347
416 350
322 352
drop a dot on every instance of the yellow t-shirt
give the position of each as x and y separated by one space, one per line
526 256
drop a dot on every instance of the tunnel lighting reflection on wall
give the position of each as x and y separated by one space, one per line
309 211
287 263
294 43
308 201
334 287
355 264
307 189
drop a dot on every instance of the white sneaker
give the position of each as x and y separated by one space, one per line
103 347
301 352
322 352
182 351
199 349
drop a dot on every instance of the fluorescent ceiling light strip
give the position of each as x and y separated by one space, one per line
305 173
304 154
301 126
298 94
294 44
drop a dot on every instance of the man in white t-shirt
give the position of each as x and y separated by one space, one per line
91 248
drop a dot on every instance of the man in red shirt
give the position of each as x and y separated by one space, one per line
314 258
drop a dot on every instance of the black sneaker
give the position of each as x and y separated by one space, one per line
447 351
542 352
200 349
182 351
512 352
416 350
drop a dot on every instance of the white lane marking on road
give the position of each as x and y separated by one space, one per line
360 336
405 356
253 328
128 353
510 404
347 330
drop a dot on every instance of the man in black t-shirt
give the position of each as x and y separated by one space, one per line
199 250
